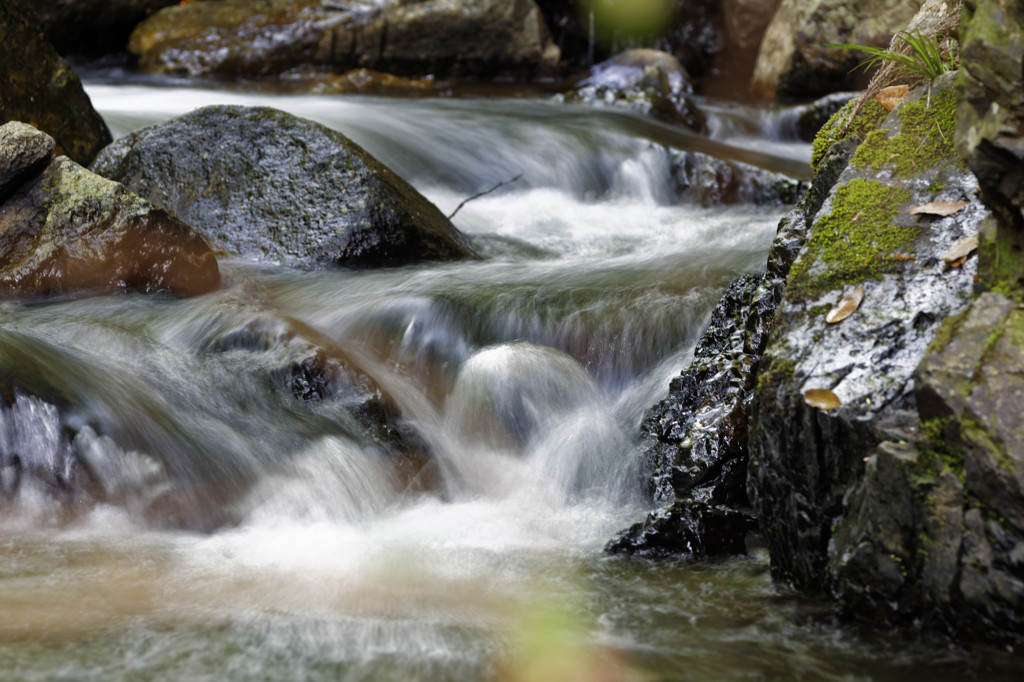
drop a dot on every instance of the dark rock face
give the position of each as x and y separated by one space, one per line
697 439
65 230
990 138
40 88
901 502
458 38
93 26
263 184
969 390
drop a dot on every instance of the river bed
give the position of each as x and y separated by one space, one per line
595 277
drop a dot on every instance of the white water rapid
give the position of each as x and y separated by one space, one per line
312 555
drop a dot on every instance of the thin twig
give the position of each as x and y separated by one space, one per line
486 191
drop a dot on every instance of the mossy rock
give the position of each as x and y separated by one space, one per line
69 231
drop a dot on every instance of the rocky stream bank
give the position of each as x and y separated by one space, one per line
857 403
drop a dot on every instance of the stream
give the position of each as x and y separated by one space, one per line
325 564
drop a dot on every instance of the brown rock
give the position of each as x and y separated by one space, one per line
68 230
40 88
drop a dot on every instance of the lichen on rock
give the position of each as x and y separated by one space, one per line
65 230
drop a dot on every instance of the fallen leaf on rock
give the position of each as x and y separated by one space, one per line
956 256
822 398
940 208
891 96
849 303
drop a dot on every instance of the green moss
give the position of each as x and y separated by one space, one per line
868 119
776 372
936 452
925 139
856 242
946 331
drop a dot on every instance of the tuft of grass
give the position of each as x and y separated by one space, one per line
927 58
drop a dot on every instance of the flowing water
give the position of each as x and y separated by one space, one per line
323 563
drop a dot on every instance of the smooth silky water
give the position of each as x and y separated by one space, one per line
327 565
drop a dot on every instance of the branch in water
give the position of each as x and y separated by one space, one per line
486 191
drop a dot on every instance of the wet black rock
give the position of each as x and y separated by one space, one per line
686 528
697 438
874 502
263 184
40 88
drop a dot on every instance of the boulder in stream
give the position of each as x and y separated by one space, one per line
263 184
40 88
649 81
447 38
883 451
64 229
795 59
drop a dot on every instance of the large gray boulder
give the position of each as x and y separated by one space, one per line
459 38
794 59
64 230
40 88
263 184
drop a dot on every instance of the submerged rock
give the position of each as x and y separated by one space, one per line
64 229
708 181
318 371
41 89
458 38
263 184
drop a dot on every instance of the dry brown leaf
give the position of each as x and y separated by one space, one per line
891 96
847 306
956 256
940 208
822 398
